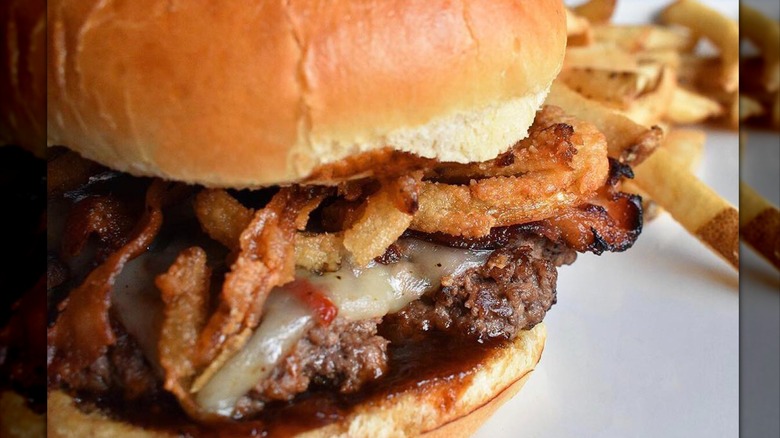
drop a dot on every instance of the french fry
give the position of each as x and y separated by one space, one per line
690 107
696 73
627 141
776 111
692 203
759 223
764 33
747 108
635 38
597 11
599 56
650 106
721 30
686 147
613 88
751 68
578 29
667 57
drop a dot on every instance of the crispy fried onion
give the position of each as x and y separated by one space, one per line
185 293
557 167
82 332
547 147
609 221
374 223
184 289
265 260
221 216
387 214
318 252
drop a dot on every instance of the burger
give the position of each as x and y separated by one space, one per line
23 222
309 218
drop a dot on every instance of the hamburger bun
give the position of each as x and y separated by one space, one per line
17 420
448 408
246 96
23 75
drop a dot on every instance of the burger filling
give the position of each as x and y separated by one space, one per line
233 300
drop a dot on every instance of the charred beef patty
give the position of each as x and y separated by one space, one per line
511 292
343 355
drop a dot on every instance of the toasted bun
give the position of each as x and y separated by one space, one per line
17 420
22 74
422 410
236 94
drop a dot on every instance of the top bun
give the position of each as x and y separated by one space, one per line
237 94
23 74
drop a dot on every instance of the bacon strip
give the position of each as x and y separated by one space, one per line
266 260
611 225
609 221
104 216
559 166
82 333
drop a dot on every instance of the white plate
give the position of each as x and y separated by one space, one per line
643 343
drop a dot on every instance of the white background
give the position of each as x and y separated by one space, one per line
644 343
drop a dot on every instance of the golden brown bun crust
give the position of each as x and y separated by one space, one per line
224 94
17 420
430 409
22 74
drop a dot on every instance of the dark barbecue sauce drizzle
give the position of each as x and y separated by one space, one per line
419 364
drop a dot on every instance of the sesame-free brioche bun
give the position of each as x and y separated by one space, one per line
437 408
23 74
17 420
246 94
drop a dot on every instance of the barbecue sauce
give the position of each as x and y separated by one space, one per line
430 363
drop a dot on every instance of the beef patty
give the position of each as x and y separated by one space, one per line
511 292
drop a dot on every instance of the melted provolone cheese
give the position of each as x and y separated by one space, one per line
377 290
285 322
137 301
358 293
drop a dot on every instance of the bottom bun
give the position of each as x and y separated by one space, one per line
452 407
17 420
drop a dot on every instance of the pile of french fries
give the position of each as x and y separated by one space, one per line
652 73
760 88
638 83
759 221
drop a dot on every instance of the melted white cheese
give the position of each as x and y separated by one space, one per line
137 301
286 320
375 291
357 293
